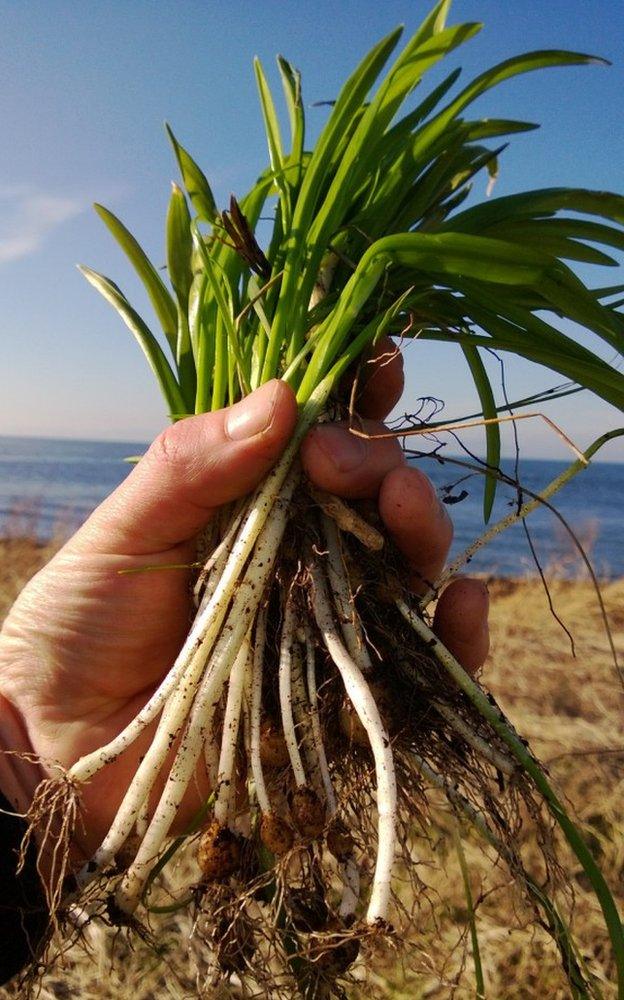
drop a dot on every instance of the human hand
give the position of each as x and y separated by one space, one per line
84 647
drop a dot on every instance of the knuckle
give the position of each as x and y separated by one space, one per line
170 449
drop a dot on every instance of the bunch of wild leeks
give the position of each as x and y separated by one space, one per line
311 685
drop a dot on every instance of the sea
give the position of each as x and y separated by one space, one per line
48 487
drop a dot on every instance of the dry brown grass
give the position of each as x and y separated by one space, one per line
20 558
571 711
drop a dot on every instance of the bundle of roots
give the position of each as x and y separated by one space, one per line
319 703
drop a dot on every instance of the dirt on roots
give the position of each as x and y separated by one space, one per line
569 708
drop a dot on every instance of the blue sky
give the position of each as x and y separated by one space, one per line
85 88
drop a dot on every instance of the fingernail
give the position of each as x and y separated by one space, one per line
344 450
254 414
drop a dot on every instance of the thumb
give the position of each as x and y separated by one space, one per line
189 471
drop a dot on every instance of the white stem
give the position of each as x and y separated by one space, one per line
240 618
246 709
347 869
142 820
317 735
494 756
207 579
301 713
350 875
285 692
226 784
368 713
211 757
341 592
255 713
323 279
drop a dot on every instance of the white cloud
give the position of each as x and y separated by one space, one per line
28 216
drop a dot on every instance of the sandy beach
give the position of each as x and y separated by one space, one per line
570 710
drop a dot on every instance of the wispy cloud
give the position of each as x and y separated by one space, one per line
28 215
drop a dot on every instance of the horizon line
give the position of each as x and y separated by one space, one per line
145 441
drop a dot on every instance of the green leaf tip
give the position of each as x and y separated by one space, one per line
194 180
160 297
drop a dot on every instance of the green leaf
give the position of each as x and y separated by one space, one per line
489 128
271 123
606 292
395 137
179 246
195 310
412 182
528 62
180 267
206 367
198 188
291 83
223 297
567 293
565 249
536 398
435 22
472 919
274 141
541 202
492 431
447 174
159 296
455 255
145 338
559 236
